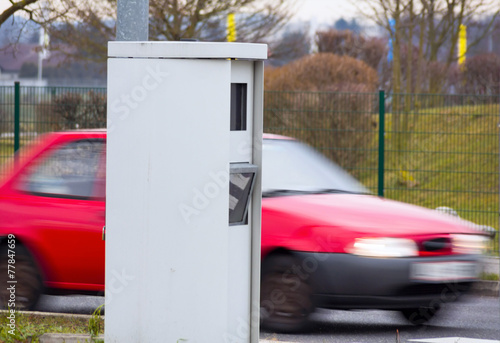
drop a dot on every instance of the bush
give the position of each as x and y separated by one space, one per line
94 111
69 111
340 123
322 72
481 75
6 121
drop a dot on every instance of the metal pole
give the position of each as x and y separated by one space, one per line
381 141
133 20
498 230
17 114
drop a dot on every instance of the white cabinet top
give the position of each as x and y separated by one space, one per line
181 49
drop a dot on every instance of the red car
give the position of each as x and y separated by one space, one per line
326 242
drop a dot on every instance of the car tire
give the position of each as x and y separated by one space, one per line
28 285
286 301
420 315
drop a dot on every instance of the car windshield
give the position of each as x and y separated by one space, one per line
291 167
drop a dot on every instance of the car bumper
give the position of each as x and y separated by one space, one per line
344 281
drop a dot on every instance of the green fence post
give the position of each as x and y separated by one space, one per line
17 114
381 141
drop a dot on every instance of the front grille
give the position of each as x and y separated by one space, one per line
436 244
433 246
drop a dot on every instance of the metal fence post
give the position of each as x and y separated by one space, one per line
381 141
17 114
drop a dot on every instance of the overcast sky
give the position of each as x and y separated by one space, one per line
321 10
324 10
317 12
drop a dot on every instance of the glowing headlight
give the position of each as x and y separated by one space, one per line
469 244
384 247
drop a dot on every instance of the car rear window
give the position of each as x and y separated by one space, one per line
73 170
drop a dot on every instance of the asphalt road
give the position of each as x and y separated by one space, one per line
473 317
69 304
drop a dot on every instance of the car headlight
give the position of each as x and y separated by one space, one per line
469 244
384 247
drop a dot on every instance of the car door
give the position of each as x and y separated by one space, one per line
62 204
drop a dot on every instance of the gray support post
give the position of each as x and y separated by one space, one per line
133 20
17 116
381 142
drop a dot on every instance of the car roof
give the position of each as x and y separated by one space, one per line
81 131
102 130
274 136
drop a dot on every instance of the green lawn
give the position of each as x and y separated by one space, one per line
6 149
444 157
32 326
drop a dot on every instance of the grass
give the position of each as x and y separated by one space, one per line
443 157
29 327
6 153
490 277
95 323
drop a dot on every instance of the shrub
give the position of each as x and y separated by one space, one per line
481 75
94 111
69 111
6 121
340 123
322 72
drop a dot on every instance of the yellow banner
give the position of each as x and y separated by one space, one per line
231 28
462 44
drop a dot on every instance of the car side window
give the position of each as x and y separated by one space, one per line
73 170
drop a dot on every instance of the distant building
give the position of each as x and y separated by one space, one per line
13 57
20 63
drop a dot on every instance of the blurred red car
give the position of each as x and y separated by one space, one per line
326 242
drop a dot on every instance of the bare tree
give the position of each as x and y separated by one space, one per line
434 25
38 11
90 24
293 44
16 6
348 43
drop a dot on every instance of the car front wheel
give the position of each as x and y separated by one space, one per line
20 279
285 295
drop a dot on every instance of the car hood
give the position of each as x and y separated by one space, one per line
366 214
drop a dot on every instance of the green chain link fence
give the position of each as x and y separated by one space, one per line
429 150
26 112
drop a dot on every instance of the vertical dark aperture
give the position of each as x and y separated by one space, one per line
238 106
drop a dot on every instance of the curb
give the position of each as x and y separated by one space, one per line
69 338
53 314
486 288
